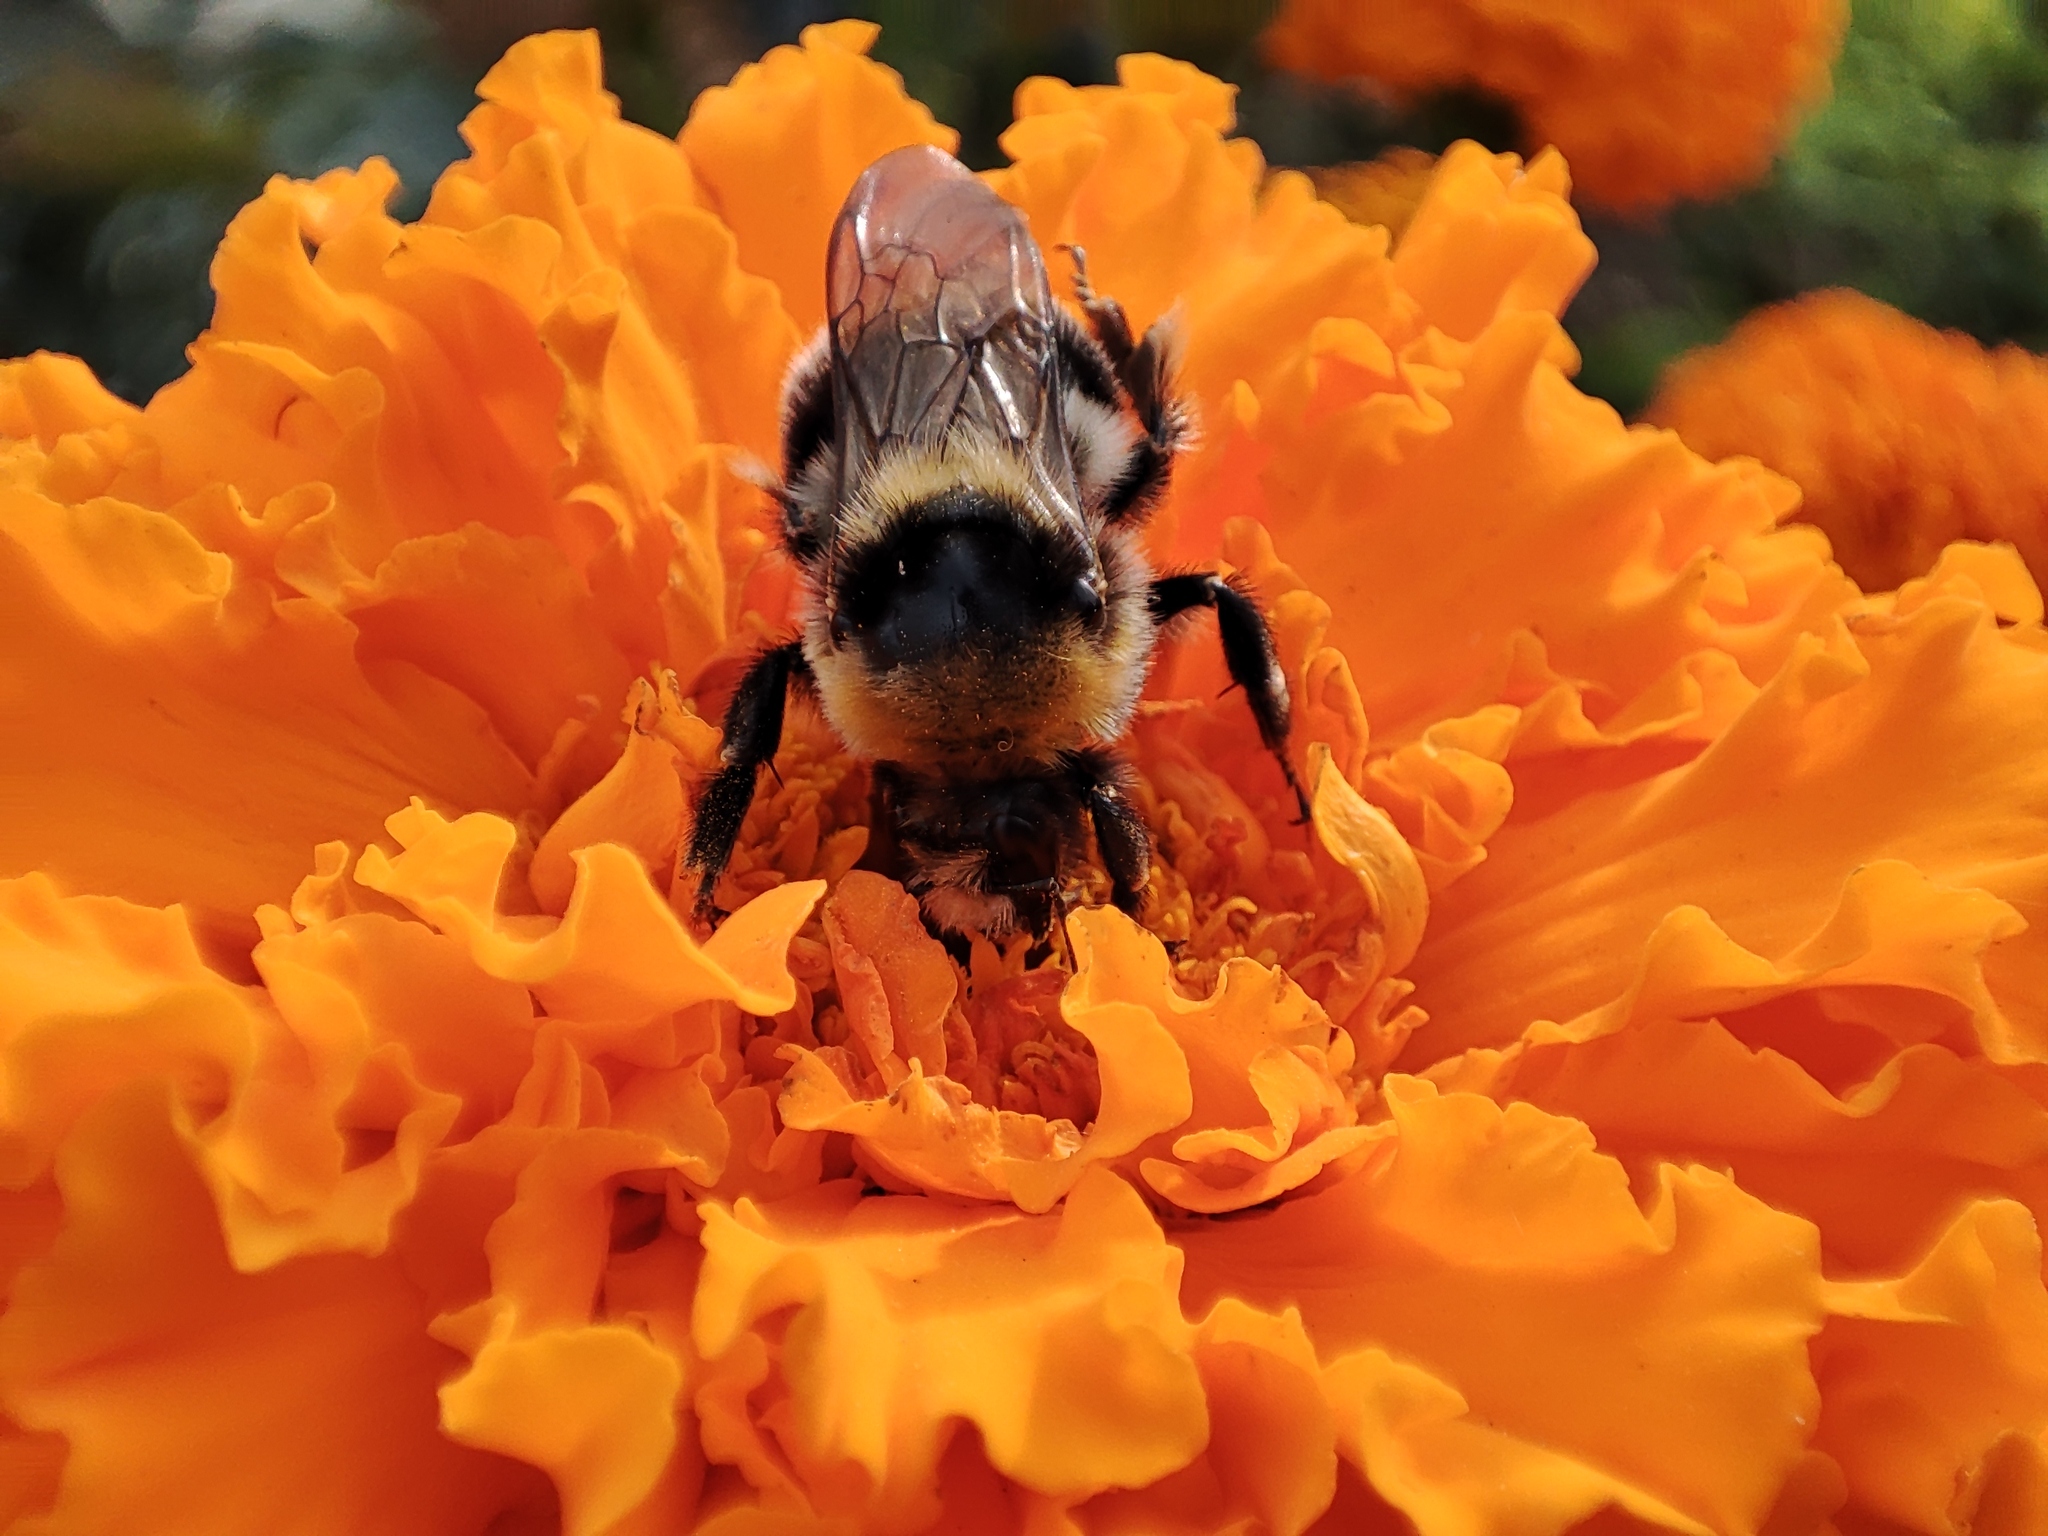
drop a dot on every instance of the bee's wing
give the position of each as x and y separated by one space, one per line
942 323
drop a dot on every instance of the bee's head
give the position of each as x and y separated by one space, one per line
963 571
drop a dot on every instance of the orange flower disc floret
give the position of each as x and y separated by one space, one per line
1651 100
1620 1105
1901 438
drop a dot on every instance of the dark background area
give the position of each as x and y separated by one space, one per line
130 131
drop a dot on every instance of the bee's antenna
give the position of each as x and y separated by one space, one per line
1083 289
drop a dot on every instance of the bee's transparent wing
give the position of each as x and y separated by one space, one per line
942 323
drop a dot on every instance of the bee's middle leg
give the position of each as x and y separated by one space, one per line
1248 654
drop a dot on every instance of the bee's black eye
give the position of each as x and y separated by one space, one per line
842 627
1087 600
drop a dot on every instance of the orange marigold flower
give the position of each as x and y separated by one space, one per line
1622 1101
1901 438
1650 100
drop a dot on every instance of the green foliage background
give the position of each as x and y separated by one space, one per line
130 131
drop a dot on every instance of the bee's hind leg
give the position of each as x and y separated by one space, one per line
1248 653
1143 365
753 730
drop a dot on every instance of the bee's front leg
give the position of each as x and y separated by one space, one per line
753 730
1121 836
1248 653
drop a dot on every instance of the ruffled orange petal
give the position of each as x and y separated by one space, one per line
1880 1169
591 1407
896 984
1935 1385
1272 1101
927 1131
62 433
1570 527
639 803
1352 431
1271 1463
389 375
97 992
161 1366
609 1426
184 736
618 962
1869 746
47 397
1492 237
497 432
777 150
908 1314
547 140
312 1105
1638 622
507 622
361 987
1506 1334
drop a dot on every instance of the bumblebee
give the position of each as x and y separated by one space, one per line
966 471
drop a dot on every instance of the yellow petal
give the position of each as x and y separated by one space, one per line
1363 839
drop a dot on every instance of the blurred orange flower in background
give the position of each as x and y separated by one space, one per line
1385 190
1626 1096
1900 437
1650 100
